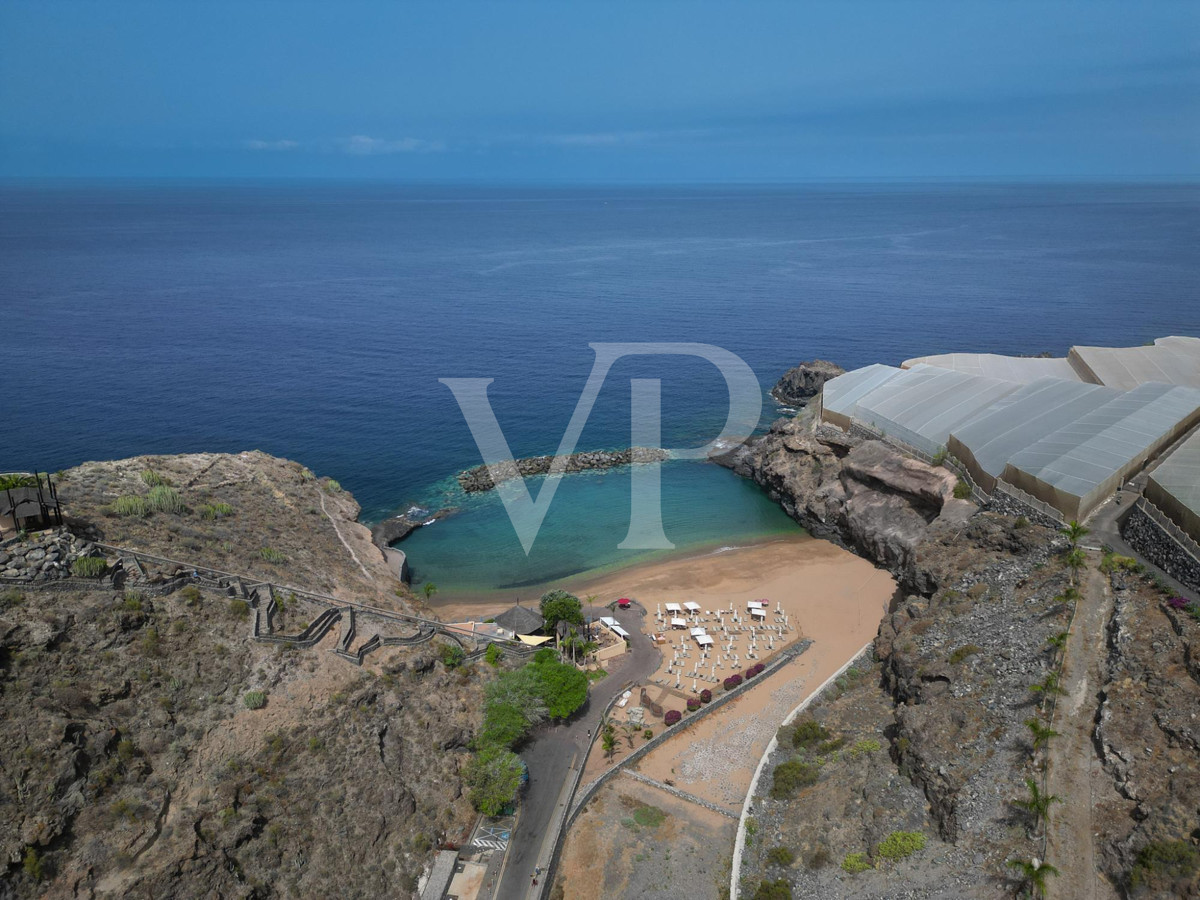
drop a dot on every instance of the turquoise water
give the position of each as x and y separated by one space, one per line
477 549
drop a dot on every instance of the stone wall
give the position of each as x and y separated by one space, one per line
1153 541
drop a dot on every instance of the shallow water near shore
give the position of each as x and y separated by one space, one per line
476 552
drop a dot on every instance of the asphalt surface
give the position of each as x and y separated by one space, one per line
556 751
1105 529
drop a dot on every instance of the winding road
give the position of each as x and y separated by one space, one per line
554 755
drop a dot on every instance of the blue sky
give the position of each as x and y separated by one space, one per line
642 92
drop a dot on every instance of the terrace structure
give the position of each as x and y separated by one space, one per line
30 506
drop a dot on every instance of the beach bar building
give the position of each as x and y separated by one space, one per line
520 620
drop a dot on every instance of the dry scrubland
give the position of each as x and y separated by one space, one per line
152 748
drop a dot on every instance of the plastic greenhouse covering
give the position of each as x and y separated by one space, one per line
1174 487
1075 467
1173 360
1022 370
922 405
987 442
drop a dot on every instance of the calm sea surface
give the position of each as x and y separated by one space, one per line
313 320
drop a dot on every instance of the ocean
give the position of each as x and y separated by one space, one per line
313 320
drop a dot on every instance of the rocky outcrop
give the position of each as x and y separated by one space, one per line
801 384
862 494
480 477
397 528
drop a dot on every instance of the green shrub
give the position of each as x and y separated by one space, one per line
792 775
866 745
255 699
89 567
855 863
962 490
808 733
32 864
778 889
451 655
11 597
153 479
216 511
819 859
332 487
271 555
1162 862
131 506
190 595
648 734
963 652
239 608
492 656
780 856
900 844
649 816
165 499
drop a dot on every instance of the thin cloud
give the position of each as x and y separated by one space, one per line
363 145
272 145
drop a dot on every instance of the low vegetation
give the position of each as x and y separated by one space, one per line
791 776
900 844
255 699
89 567
854 863
131 506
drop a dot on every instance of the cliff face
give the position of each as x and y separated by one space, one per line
861 494
136 763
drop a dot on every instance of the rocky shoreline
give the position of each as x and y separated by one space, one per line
480 478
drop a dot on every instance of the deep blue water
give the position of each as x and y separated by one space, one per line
313 320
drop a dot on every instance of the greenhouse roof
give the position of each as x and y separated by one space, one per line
922 405
1025 416
1079 457
841 394
1169 360
1020 369
1179 474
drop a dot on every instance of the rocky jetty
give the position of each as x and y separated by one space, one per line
480 477
801 384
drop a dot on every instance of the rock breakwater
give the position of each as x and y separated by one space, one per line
480 478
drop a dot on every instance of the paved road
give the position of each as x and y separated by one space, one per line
1105 528
558 750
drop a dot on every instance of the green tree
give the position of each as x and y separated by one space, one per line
1033 874
504 725
1074 531
494 776
559 606
429 590
1037 804
1076 559
562 687
522 689
608 740
1040 733
1048 685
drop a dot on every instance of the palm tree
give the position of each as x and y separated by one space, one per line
1074 531
1059 640
1033 874
1048 685
1041 733
1038 805
1076 559
429 589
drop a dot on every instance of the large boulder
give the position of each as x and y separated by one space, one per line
801 384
